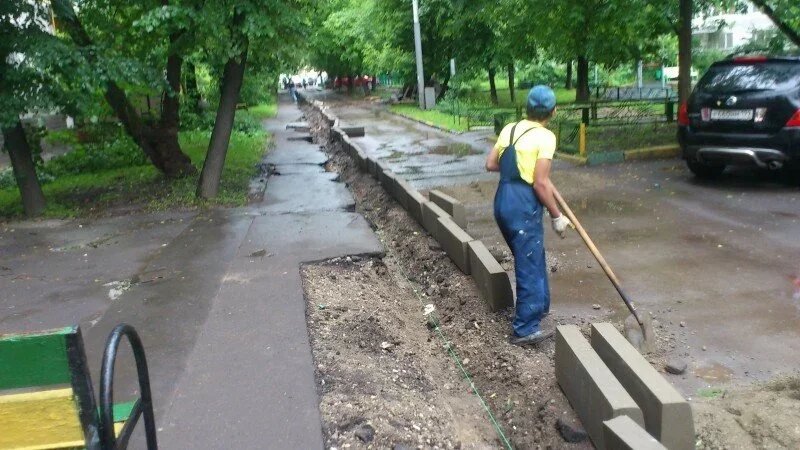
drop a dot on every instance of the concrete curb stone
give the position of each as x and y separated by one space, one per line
452 206
574 159
493 282
399 191
657 152
380 168
387 179
354 131
622 433
591 388
424 122
455 242
414 202
372 166
595 158
667 415
430 214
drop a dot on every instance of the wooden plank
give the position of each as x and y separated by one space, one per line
40 420
122 411
34 359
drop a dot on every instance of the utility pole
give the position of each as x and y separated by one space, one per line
418 52
639 81
685 49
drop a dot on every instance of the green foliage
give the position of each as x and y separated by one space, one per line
244 122
702 60
37 70
96 176
433 116
545 71
111 154
264 110
777 44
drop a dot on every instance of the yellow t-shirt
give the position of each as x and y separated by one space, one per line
539 143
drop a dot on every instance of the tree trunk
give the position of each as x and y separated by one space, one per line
685 50
444 88
192 93
511 82
492 87
232 77
568 82
582 93
164 137
19 152
785 28
164 151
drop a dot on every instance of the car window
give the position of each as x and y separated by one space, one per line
761 76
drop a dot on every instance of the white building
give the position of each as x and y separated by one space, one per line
730 29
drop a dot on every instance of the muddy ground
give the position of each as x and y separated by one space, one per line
763 416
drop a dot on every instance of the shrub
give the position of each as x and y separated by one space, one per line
115 153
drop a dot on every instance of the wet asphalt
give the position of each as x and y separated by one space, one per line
215 295
716 263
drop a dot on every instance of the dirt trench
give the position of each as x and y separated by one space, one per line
367 327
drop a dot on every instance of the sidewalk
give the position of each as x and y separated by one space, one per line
249 381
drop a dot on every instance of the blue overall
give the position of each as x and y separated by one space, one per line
518 213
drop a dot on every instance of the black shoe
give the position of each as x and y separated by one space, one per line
533 338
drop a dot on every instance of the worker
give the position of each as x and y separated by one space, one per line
523 155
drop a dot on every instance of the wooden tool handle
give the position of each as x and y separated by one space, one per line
592 248
596 253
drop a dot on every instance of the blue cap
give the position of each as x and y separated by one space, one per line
541 99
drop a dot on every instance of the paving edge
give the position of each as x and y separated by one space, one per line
493 281
622 433
426 123
656 152
592 390
667 415
638 154
451 205
455 241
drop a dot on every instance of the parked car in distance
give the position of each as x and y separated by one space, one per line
743 111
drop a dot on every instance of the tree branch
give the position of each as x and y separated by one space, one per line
783 26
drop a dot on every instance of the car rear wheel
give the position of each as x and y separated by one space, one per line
705 171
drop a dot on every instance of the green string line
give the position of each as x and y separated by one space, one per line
457 360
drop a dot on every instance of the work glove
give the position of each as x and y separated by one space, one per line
560 225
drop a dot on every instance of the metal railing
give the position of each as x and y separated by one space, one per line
143 405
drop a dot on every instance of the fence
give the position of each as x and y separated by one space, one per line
618 93
594 113
596 126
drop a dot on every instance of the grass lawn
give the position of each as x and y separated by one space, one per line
264 110
93 190
433 116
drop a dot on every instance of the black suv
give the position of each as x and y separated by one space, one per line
743 111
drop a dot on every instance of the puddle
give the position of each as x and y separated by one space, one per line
395 155
716 372
457 149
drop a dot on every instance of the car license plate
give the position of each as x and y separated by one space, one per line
732 114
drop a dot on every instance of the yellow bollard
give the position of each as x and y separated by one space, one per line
582 140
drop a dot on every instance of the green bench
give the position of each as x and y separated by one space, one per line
47 399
